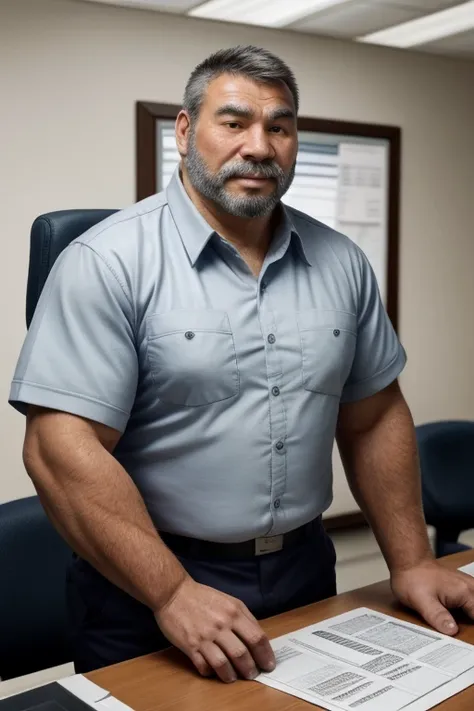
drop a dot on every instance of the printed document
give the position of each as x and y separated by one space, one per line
362 185
364 660
468 569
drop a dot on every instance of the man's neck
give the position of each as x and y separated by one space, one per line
248 235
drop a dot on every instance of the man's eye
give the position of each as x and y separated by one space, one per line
276 129
233 124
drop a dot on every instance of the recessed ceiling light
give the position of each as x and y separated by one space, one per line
426 29
269 13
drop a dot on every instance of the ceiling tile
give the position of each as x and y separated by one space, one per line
355 19
461 45
425 7
179 6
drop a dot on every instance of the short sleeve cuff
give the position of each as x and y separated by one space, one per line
370 386
23 394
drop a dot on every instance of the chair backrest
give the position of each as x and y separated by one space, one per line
34 631
447 469
50 234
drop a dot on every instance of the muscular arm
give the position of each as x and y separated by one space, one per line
377 442
376 439
96 506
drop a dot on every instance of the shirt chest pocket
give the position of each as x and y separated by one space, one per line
328 343
192 357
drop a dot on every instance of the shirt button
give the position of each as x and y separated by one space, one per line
275 391
277 503
263 285
336 332
189 335
279 445
271 338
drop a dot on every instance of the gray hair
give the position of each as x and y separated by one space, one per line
253 62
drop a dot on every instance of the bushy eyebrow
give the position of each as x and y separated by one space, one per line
283 112
245 112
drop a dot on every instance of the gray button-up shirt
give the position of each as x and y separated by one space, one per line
226 387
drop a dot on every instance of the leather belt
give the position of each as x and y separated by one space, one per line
196 548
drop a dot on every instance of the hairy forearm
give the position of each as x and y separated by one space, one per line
381 464
97 508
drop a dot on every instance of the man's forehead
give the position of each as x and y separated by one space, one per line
229 89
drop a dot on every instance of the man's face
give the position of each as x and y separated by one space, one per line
241 152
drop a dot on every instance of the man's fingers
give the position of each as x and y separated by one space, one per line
257 642
218 660
468 607
436 615
238 654
217 632
464 595
459 594
201 665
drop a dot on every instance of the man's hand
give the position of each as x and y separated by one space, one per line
216 631
432 590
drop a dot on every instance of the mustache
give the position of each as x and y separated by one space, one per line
247 169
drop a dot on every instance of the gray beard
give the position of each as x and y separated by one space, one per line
213 186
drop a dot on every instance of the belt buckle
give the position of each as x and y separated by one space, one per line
268 544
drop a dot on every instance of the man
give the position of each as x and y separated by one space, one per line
190 362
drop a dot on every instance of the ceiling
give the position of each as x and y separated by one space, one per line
435 26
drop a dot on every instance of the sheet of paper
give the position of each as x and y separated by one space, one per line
469 569
110 703
83 688
93 695
370 661
362 184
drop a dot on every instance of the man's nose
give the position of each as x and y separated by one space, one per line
257 145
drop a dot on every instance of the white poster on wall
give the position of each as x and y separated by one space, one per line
362 183
362 202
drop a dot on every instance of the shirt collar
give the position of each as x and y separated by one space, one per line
192 227
196 233
286 230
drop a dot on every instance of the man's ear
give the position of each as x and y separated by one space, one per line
182 130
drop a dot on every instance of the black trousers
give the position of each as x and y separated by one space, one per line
109 626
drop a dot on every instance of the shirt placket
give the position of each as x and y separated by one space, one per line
277 411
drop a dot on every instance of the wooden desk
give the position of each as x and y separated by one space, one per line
167 681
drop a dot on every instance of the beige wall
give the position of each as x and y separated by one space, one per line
70 73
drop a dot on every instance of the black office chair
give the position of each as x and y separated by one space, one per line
33 562
34 632
50 234
447 472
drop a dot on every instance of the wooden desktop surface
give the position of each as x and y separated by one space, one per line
166 681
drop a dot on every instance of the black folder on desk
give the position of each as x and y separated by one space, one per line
51 697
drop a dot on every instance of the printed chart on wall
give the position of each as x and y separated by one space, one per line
343 182
367 661
339 180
